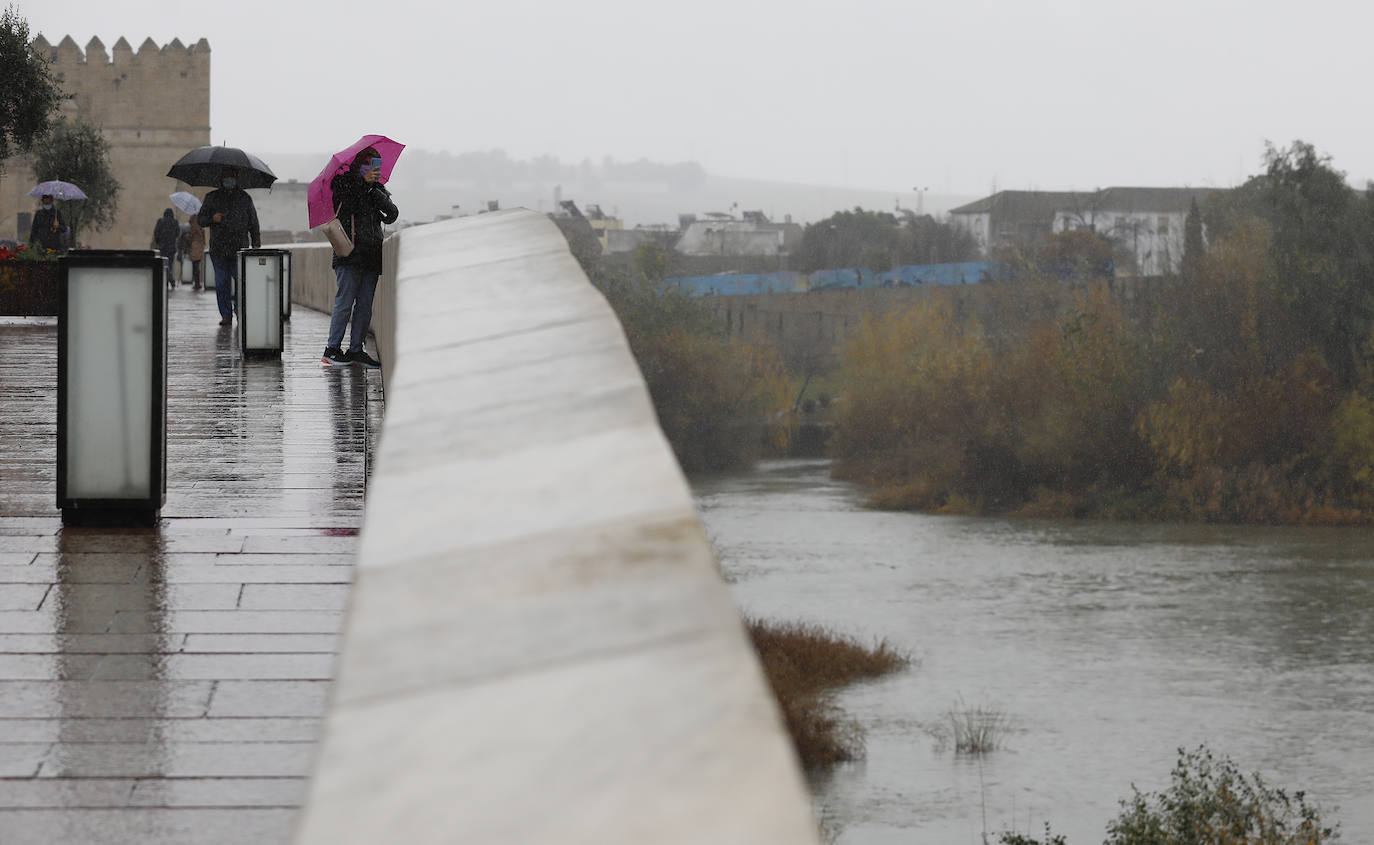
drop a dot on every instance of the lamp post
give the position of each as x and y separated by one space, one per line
111 386
259 301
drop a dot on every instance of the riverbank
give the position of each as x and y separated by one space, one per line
1108 646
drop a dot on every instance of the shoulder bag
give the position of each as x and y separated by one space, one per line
338 238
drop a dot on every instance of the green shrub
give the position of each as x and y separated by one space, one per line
1010 838
1210 802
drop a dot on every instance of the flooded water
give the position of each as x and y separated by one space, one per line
1108 646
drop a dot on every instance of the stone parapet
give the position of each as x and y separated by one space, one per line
539 647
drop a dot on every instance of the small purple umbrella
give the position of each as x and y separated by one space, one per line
319 199
58 190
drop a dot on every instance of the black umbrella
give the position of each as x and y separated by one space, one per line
203 165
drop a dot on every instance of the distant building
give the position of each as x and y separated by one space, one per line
603 225
1011 218
723 234
1144 224
629 240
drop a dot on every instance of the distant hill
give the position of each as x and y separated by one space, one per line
429 184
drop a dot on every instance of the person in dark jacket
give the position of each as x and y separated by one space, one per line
228 212
363 204
48 226
165 235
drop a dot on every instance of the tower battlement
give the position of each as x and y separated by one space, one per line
156 87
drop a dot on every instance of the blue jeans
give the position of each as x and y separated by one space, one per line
352 306
226 272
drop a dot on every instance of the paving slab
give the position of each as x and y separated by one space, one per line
167 684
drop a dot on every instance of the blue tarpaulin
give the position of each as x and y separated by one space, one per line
911 275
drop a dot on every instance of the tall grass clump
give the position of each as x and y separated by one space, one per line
976 729
804 665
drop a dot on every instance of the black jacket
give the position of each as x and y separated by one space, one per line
362 208
238 229
165 232
41 232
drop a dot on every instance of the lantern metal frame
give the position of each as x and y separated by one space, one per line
242 301
77 509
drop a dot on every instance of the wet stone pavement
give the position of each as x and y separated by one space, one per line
167 684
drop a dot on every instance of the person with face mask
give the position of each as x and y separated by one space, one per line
48 226
228 212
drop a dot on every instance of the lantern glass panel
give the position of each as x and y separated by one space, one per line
109 388
262 301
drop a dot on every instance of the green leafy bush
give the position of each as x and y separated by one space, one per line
1211 802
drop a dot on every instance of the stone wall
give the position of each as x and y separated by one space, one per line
152 105
539 647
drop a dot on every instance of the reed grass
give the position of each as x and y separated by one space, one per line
975 729
804 664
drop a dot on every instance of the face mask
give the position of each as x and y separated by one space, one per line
229 182
47 206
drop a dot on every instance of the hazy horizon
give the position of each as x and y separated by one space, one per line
883 95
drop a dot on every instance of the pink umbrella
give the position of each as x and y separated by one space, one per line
319 199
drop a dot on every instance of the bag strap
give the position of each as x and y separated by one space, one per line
352 223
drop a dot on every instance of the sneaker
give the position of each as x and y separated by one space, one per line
334 357
361 357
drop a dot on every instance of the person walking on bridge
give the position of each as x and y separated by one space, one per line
165 235
228 212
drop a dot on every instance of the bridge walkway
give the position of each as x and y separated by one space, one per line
168 684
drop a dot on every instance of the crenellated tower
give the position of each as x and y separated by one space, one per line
152 104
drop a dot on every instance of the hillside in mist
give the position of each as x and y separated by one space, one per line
428 184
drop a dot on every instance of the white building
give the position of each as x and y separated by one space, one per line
722 234
1144 224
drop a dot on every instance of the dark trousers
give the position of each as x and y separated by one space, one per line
226 272
167 262
195 272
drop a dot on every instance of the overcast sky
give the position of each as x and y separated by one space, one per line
959 96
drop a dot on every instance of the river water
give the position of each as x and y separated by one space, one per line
1107 646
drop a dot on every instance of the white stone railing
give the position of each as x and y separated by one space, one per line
539 648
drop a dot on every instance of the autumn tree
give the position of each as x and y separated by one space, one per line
1078 253
858 239
925 240
1323 257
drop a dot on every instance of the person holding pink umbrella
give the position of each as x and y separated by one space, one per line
362 204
